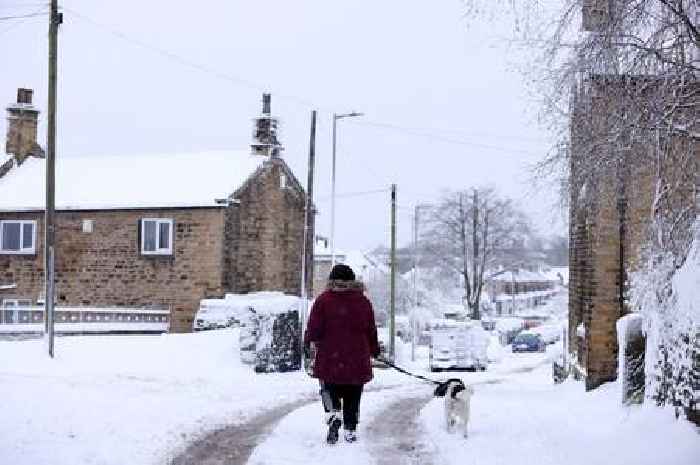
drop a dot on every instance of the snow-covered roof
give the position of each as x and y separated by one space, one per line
129 181
322 251
554 272
520 275
364 264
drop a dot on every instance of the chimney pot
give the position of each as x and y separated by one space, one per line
267 106
24 96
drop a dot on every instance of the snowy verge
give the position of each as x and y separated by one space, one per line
155 394
530 421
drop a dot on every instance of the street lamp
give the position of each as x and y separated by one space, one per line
336 117
414 326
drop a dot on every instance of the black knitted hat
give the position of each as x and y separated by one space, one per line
342 272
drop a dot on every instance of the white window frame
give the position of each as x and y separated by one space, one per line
159 250
23 250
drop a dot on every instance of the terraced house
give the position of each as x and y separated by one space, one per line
149 230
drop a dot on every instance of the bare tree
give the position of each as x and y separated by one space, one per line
470 232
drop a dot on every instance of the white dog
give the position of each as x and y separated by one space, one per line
457 399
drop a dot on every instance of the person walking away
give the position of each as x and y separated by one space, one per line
341 326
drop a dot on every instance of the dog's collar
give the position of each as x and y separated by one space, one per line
441 390
457 389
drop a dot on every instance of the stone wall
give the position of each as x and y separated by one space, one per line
106 268
265 231
612 189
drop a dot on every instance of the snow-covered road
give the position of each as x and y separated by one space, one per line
187 399
519 418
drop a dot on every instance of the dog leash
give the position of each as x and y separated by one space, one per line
401 370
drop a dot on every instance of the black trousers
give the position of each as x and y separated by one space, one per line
345 397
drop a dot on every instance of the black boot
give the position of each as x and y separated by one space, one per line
334 425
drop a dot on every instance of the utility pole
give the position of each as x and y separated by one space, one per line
415 283
55 19
335 121
310 217
475 260
392 299
512 290
308 245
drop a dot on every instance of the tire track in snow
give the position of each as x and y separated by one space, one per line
396 436
232 445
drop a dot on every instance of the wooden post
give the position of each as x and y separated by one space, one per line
308 240
309 211
49 221
392 301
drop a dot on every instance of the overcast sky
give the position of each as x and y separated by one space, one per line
444 107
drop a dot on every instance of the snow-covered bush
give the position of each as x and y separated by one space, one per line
666 291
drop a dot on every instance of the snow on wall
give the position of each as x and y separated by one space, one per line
669 300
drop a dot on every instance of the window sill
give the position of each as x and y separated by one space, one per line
15 252
157 254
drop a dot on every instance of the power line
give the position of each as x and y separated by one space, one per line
8 6
174 57
28 15
355 194
188 62
21 21
429 135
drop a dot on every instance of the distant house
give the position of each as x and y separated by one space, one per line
512 290
366 267
150 231
323 263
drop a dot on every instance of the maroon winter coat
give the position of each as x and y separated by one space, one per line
342 326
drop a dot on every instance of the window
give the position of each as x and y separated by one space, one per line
156 236
17 237
13 303
88 226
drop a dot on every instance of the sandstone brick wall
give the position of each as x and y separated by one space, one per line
252 245
106 268
604 309
265 233
612 192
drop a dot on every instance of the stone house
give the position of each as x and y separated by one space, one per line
613 183
153 231
323 264
512 290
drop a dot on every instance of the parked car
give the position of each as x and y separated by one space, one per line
527 341
215 314
458 346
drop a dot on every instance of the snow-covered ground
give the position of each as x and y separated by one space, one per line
126 399
144 399
528 420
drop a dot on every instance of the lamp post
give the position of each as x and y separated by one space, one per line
414 325
336 117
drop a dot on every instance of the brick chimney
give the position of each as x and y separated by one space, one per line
265 127
22 120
